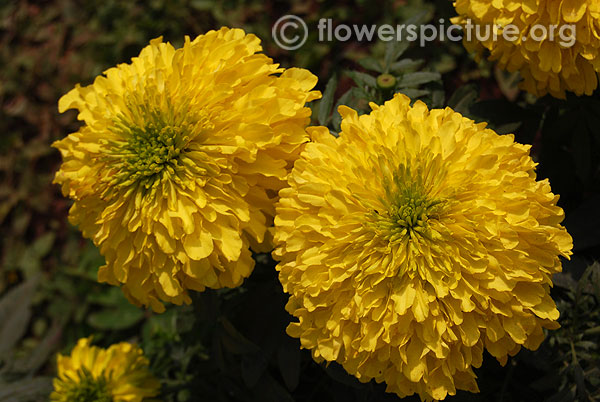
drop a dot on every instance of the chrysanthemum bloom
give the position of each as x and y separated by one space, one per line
92 374
412 242
174 173
556 48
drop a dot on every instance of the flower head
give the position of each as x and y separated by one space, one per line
91 374
556 48
413 241
175 171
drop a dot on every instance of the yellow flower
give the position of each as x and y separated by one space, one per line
568 62
175 171
92 374
412 242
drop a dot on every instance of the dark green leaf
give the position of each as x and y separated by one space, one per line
40 354
43 244
419 18
564 395
326 102
582 392
413 93
393 50
362 79
418 78
15 312
125 316
583 224
581 148
288 358
345 99
112 296
243 343
26 389
437 98
586 345
508 128
404 65
499 111
564 280
462 98
271 391
338 373
253 367
371 63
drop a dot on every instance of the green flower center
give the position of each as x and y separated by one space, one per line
152 144
88 389
151 148
408 208
411 211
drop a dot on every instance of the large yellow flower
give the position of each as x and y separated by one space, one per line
546 64
175 171
412 242
91 374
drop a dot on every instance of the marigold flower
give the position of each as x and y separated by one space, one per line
412 242
175 171
551 56
92 374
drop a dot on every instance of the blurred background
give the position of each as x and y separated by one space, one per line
231 345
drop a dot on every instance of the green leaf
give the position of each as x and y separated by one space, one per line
180 321
288 359
43 244
595 279
253 367
337 372
345 99
586 345
437 98
580 381
271 391
581 149
405 64
164 324
508 128
418 19
500 112
371 63
462 98
109 297
547 382
583 224
30 262
592 114
217 349
40 354
15 313
508 82
326 102
413 93
418 78
234 341
393 50
362 79
122 317
583 283
202 5
564 280
562 396
26 390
